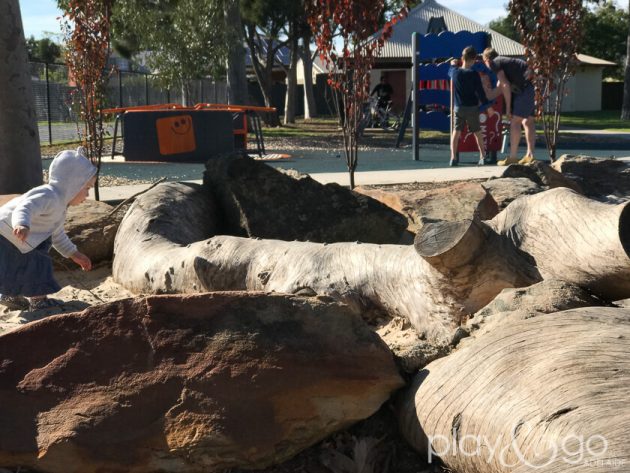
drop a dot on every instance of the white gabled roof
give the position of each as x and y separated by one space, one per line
398 46
595 61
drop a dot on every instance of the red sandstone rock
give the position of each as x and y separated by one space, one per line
186 383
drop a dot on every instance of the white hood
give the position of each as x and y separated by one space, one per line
69 172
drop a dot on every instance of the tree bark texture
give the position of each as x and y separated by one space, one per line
236 74
625 106
154 255
20 157
264 72
572 238
529 396
310 107
453 269
289 103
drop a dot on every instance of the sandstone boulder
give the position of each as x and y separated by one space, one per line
505 190
455 202
186 384
603 179
259 201
92 229
543 174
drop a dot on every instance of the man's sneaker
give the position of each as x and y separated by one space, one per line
507 161
41 303
482 162
14 302
527 159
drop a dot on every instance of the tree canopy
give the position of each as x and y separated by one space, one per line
184 38
605 34
43 50
605 29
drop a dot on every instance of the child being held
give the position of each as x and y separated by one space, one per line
31 223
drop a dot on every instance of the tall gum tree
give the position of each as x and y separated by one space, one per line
20 156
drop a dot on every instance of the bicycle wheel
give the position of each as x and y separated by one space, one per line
395 120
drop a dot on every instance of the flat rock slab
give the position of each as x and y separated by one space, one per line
186 383
544 175
551 390
456 202
259 201
603 179
507 189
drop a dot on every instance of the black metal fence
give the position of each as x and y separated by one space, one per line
57 114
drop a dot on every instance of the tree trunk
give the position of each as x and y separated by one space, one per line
572 238
289 103
264 72
434 288
625 109
310 107
236 75
503 401
20 156
453 270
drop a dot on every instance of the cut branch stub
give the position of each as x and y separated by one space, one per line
450 244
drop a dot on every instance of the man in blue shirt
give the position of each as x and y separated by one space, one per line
469 95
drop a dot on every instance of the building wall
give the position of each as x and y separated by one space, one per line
585 91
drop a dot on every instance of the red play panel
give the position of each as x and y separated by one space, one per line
491 127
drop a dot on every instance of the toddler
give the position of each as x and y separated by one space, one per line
33 222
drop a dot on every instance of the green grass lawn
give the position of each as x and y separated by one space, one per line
603 120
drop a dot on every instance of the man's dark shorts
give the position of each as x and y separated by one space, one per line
468 115
523 103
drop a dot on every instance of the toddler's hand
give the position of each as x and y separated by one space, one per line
21 232
82 260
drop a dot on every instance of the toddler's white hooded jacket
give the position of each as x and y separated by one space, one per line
43 208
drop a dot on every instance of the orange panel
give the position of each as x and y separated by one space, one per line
176 134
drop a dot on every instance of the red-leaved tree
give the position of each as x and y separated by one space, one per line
355 23
551 31
86 27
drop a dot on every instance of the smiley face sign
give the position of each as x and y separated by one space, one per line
175 134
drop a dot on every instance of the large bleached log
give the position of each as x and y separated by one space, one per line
157 251
548 393
572 238
164 245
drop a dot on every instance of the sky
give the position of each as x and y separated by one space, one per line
40 16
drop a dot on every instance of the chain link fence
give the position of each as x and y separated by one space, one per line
57 114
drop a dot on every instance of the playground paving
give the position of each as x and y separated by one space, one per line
376 166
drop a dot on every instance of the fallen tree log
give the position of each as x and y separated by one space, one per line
453 269
572 238
547 393
157 251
